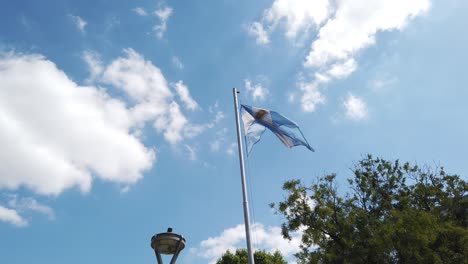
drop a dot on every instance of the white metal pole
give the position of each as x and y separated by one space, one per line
244 186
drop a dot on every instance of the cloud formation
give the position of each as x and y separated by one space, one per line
256 30
267 238
177 63
219 140
12 217
19 206
148 89
93 61
151 95
256 91
297 17
356 108
30 204
184 94
57 135
192 152
344 28
231 149
163 15
79 22
140 11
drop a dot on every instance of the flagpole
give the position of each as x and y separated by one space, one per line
244 186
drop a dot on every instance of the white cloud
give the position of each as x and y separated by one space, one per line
140 11
256 30
163 14
257 91
267 238
193 130
184 94
356 108
355 25
57 135
341 70
380 83
311 97
192 152
79 22
94 64
137 77
219 140
177 63
353 28
172 123
344 29
125 189
12 217
149 90
30 204
219 116
297 16
214 109
111 22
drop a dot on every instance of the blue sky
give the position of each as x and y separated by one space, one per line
117 120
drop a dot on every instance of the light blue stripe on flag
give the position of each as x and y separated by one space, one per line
256 120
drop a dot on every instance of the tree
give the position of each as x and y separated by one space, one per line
392 213
260 257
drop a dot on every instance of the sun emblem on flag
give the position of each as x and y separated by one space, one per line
260 114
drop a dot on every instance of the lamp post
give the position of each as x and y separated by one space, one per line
168 244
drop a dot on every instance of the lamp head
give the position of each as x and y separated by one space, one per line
168 243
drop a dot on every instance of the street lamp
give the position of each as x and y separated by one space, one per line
168 244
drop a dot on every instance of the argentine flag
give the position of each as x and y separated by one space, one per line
256 120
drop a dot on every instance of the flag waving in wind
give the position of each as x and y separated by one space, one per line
256 120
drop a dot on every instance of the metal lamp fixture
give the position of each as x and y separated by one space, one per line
168 244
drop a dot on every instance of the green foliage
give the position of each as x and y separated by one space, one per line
260 257
394 213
